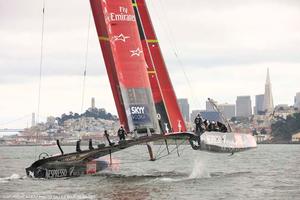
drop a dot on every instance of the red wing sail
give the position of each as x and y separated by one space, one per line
162 89
125 63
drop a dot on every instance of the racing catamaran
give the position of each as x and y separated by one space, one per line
143 93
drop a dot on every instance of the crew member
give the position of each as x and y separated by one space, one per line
205 123
78 146
222 127
121 133
91 144
198 123
212 126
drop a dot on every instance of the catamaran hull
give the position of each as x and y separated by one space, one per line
223 142
87 162
64 169
79 163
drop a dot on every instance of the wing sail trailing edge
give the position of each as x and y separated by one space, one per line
162 89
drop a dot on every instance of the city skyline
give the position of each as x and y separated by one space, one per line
225 54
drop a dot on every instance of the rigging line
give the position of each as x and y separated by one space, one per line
166 149
170 37
163 150
14 120
40 75
176 147
158 150
41 63
85 63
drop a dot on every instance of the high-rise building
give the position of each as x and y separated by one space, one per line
259 104
93 102
228 110
243 106
297 100
184 108
268 97
209 107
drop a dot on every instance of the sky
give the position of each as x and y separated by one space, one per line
212 48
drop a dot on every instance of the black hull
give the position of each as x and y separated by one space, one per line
79 163
76 164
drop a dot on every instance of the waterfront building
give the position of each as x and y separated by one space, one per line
228 110
296 137
297 101
259 104
243 106
184 108
268 97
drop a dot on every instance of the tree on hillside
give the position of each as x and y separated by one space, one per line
285 128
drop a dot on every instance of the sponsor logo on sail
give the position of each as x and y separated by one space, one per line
139 114
120 37
137 110
123 15
136 52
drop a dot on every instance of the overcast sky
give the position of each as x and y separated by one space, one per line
224 49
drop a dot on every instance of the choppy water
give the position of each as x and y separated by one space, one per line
269 172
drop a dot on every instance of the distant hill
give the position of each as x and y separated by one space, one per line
91 112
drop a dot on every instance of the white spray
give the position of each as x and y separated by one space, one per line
199 170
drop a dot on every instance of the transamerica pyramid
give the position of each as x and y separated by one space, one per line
268 98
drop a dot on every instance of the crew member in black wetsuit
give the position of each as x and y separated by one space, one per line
160 123
222 127
121 133
199 130
212 126
198 123
91 144
78 146
205 123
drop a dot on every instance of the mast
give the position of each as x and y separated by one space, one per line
125 64
162 88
